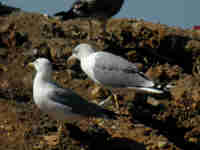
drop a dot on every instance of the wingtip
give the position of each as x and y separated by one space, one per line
148 90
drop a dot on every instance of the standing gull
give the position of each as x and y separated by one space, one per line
61 103
113 71
93 9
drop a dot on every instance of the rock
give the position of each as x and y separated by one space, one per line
3 52
147 131
132 55
193 140
3 68
73 63
32 52
140 66
153 101
71 74
56 53
43 50
162 144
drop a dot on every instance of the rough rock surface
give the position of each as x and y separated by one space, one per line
166 54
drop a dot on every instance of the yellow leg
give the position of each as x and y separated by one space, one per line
112 97
116 101
61 128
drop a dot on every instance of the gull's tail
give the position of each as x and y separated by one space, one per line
155 89
66 15
140 82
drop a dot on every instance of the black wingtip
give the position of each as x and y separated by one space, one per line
165 93
66 15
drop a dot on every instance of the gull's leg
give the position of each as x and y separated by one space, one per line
112 97
61 128
116 101
102 103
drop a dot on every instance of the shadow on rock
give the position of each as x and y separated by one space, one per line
169 48
19 95
149 115
98 138
174 47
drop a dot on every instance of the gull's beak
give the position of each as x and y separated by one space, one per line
71 57
31 65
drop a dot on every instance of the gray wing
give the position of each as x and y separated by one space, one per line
112 70
78 104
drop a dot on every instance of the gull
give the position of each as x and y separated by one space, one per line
113 71
59 103
6 10
93 9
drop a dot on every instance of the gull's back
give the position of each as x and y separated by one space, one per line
77 105
114 71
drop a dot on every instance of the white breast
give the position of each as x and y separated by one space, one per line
88 65
40 91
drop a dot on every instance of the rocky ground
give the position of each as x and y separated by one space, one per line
147 122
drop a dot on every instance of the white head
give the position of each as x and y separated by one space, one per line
82 50
42 65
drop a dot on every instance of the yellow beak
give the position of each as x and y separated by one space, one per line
31 65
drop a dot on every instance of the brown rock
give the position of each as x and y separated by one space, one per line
73 63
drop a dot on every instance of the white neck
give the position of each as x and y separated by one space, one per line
42 77
86 53
39 84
